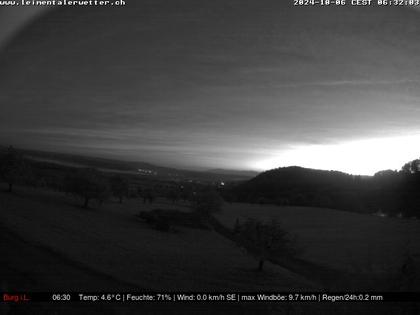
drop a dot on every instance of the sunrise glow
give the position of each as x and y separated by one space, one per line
362 157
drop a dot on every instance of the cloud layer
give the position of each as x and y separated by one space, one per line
215 84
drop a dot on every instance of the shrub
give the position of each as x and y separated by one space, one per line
161 217
162 224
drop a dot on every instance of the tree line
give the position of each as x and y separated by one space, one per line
87 184
90 185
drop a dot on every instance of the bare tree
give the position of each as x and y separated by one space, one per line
88 184
12 167
119 187
264 240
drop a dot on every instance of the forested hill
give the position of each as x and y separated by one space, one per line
390 192
295 185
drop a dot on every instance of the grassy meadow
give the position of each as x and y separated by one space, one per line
112 240
340 239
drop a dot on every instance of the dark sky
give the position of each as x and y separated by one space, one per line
223 83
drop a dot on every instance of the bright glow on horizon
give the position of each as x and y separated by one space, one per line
361 157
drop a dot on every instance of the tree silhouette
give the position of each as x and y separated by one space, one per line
12 167
119 187
88 184
207 202
412 167
264 240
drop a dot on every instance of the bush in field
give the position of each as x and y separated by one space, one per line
206 203
162 224
156 218
173 195
163 219
119 187
13 168
88 184
264 240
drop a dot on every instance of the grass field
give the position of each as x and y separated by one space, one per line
48 242
111 240
344 240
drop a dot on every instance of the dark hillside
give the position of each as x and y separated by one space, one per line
388 192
